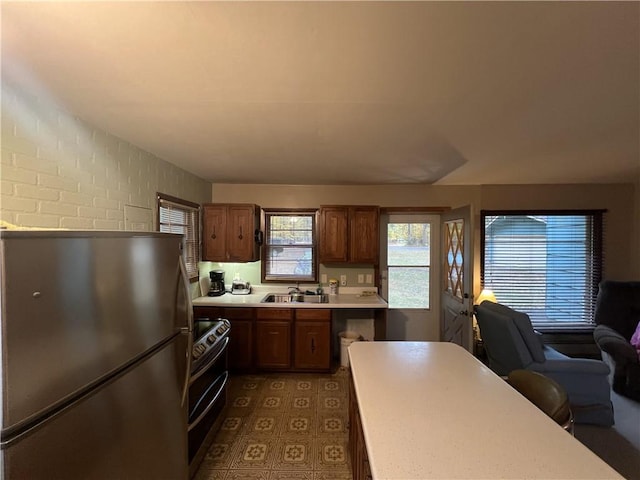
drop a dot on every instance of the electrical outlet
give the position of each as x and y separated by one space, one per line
369 278
343 280
323 278
360 278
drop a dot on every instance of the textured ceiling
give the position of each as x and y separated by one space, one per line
346 93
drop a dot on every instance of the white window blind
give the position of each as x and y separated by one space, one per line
179 216
546 264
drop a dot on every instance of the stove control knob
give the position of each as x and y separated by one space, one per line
198 350
221 329
211 339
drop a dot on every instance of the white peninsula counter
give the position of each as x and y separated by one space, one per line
432 410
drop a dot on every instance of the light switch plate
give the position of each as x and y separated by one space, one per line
323 278
360 278
343 280
369 278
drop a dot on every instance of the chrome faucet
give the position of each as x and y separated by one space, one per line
295 289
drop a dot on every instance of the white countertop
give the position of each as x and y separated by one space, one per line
351 298
432 410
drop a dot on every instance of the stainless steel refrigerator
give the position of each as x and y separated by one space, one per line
96 328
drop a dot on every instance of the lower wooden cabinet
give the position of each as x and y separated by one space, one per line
281 339
312 340
273 338
240 345
241 334
240 338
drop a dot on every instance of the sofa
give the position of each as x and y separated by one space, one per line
511 343
617 315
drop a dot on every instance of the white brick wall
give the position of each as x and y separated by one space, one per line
56 171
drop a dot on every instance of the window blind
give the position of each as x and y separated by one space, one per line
182 217
546 264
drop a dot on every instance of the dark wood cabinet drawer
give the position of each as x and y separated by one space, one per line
313 314
238 313
207 312
274 314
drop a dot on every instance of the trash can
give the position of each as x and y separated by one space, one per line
346 339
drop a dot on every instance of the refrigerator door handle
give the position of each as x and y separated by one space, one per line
186 330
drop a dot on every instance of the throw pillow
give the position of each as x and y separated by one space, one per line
635 339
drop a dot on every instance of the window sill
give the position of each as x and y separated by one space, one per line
576 330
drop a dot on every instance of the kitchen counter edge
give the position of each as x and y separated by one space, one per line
254 300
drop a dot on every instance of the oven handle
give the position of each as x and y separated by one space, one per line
212 402
202 370
186 330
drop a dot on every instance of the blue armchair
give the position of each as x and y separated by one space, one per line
511 343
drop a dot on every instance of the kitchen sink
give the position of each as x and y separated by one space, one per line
295 298
321 298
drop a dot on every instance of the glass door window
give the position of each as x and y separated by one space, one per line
409 265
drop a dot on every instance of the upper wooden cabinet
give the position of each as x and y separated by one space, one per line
229 232
349 234
364 234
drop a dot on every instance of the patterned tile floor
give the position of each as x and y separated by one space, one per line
282 427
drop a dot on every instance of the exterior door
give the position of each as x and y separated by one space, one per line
410 272
457 296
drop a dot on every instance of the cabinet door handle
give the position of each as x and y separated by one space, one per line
240 236
213 234
313 345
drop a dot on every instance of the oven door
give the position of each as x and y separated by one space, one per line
207 398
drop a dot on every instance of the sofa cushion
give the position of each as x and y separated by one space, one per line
523 324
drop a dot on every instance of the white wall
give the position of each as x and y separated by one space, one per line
636 226
57 171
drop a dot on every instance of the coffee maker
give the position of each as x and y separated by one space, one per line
217 283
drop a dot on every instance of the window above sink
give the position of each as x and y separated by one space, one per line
289 250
